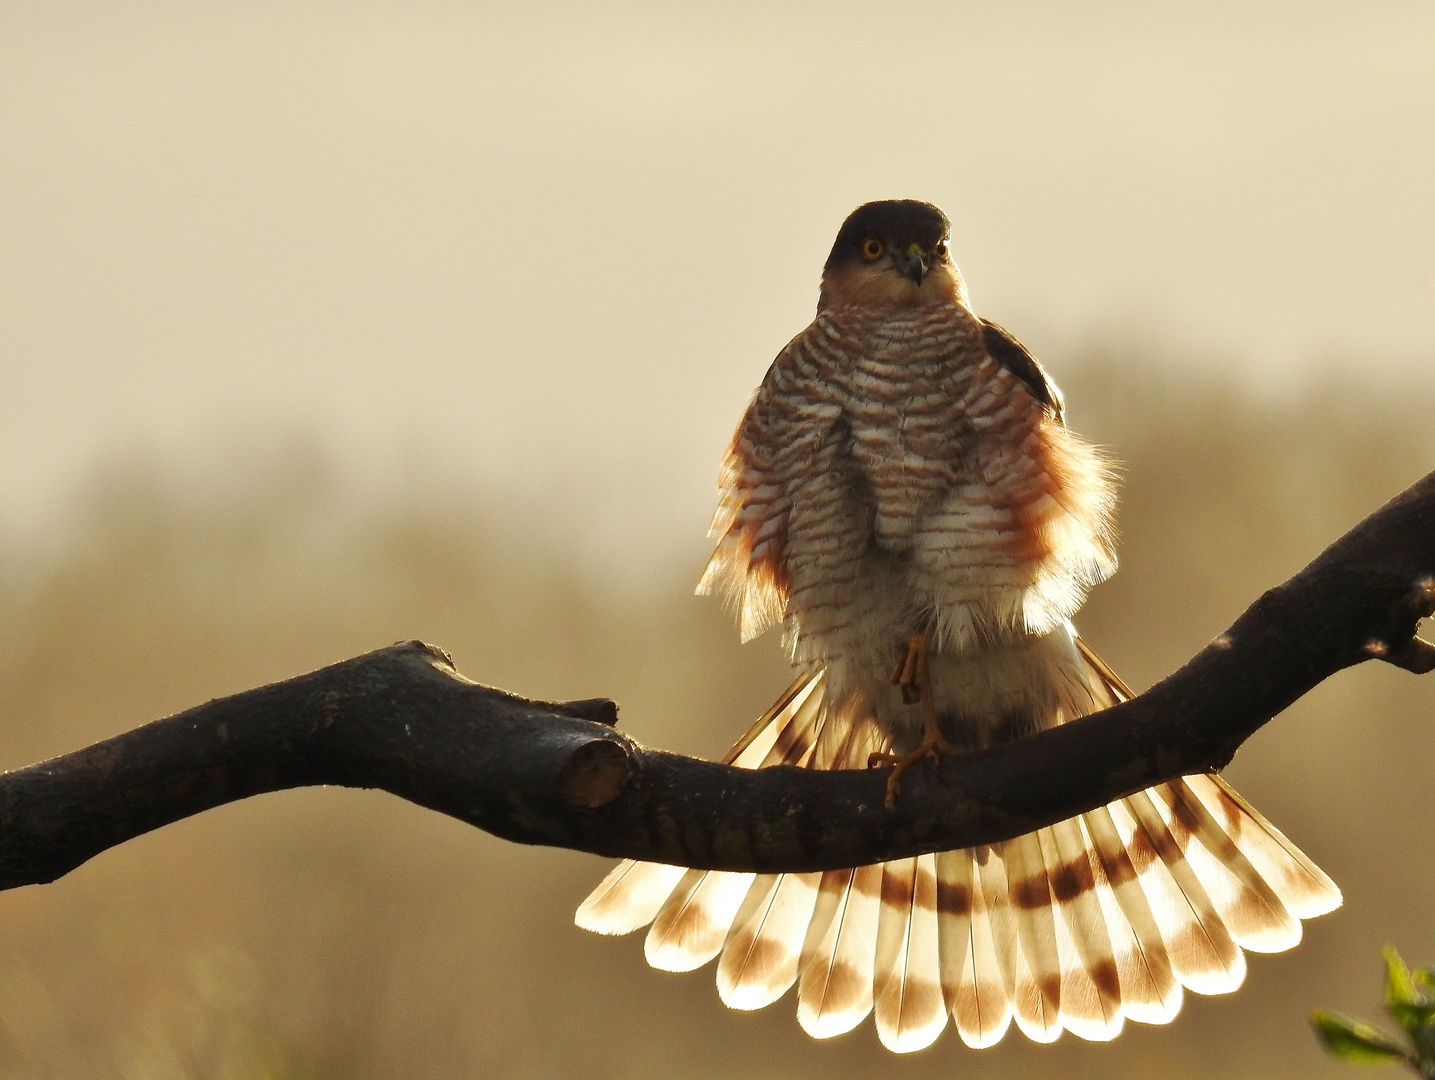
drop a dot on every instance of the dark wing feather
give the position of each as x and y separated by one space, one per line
1011 354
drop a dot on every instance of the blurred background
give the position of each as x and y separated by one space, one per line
327 325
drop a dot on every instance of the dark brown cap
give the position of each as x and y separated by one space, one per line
895 222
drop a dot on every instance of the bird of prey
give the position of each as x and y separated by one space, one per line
904 498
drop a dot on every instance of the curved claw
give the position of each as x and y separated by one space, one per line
912 676
930 748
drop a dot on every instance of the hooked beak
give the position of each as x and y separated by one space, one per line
914 265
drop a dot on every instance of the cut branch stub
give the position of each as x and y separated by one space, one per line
595 774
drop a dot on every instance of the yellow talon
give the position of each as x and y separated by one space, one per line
912 676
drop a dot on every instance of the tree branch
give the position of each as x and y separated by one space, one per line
402 719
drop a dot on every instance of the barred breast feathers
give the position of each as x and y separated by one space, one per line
1016 546
1005 515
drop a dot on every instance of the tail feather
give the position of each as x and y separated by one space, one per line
909 1007
955 944
1202 953
1036 980
692 926
1303 887
974 969
831 889
1253 914
1150 992
760 959
1075 927
1090 983
834 994
786 730
629 898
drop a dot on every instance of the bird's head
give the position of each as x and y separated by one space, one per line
892 254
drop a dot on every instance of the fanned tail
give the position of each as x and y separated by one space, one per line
1077 927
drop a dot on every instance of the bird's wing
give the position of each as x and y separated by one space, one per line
780 436
750 526
1011 354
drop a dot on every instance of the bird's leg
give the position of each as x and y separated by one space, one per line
911 669
915 681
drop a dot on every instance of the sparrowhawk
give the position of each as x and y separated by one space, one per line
903 498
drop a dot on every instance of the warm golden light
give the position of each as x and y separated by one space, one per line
481 260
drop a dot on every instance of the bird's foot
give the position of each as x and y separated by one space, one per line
933 746
912 676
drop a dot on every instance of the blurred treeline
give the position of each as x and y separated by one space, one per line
345 934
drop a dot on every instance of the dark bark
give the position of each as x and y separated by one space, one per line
402 719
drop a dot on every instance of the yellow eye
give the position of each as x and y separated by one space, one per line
941 250
872 249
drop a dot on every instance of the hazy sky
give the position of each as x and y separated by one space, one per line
557 244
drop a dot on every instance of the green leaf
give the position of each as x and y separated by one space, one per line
1355 1040
1399 986
1407 997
